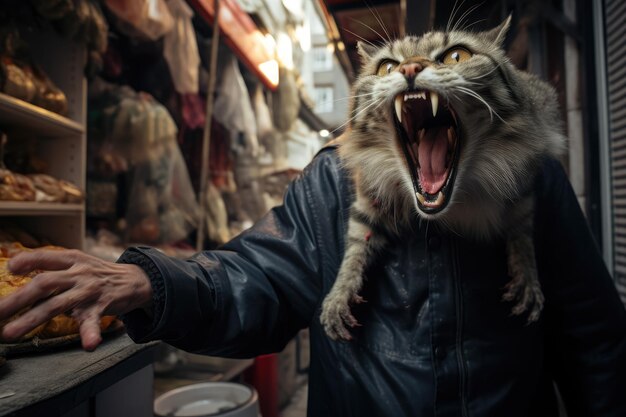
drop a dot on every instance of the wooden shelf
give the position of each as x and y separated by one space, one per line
16 113
32 208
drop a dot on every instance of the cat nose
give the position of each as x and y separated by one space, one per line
411 69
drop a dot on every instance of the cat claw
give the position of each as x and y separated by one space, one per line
529 298
336 315
357 299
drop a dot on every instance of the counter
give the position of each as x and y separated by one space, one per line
114 380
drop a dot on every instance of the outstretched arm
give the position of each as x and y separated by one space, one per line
247 299
252 296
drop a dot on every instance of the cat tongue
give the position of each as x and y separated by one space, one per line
432 150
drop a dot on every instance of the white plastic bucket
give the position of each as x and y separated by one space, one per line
208 399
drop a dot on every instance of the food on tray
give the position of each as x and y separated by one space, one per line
73 194
37 187
16 187
10 249
61 325
52 190
48 188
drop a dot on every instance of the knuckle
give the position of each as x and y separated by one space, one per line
74 255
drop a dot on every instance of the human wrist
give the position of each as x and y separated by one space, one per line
151 290
142 288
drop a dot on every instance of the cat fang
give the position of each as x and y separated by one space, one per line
427 136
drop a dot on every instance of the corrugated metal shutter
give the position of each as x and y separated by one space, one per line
615 18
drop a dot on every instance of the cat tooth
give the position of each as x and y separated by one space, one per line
434 101
406 97
398 106
420 197
440 199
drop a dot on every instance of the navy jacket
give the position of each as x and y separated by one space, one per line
436 338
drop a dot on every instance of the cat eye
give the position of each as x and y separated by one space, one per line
386 67
456 55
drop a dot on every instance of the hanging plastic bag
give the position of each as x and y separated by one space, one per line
261 110
136 134
233 108
286 101
181 49
162 206
147 18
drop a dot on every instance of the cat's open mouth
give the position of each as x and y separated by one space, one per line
428 135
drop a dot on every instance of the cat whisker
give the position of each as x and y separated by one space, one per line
356 96
487 73
475 23
361 38
372 29
479 98
371 103
379 20
453 13
459 23
482 100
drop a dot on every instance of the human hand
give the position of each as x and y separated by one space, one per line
75 282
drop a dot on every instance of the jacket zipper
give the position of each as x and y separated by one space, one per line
459 329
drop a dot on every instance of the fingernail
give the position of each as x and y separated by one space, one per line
12 267
8 333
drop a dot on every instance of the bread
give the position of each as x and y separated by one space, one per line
16 187
61 325
48 188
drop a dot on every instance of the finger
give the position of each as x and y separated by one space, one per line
42 313
42 286
49 260
89 328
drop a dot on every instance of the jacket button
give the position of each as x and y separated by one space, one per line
434 242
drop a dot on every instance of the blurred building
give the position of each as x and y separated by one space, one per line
328 87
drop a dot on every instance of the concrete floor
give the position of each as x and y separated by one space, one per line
297 406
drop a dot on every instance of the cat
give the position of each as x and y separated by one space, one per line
445 128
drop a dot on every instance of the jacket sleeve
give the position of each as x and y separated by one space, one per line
585 319
252 296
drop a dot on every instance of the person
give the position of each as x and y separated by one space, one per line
435 336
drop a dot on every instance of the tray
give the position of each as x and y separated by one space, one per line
37 345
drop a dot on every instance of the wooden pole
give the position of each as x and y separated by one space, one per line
206 137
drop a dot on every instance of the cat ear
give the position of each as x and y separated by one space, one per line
366 50
498 34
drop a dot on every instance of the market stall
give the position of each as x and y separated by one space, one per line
105 115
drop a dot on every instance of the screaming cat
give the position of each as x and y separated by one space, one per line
444 127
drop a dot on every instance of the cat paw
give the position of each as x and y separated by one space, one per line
528 296
336 315
357 299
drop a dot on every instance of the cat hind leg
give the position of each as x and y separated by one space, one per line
524 288
336 314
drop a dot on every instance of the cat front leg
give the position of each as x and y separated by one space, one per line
361 243
524 287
